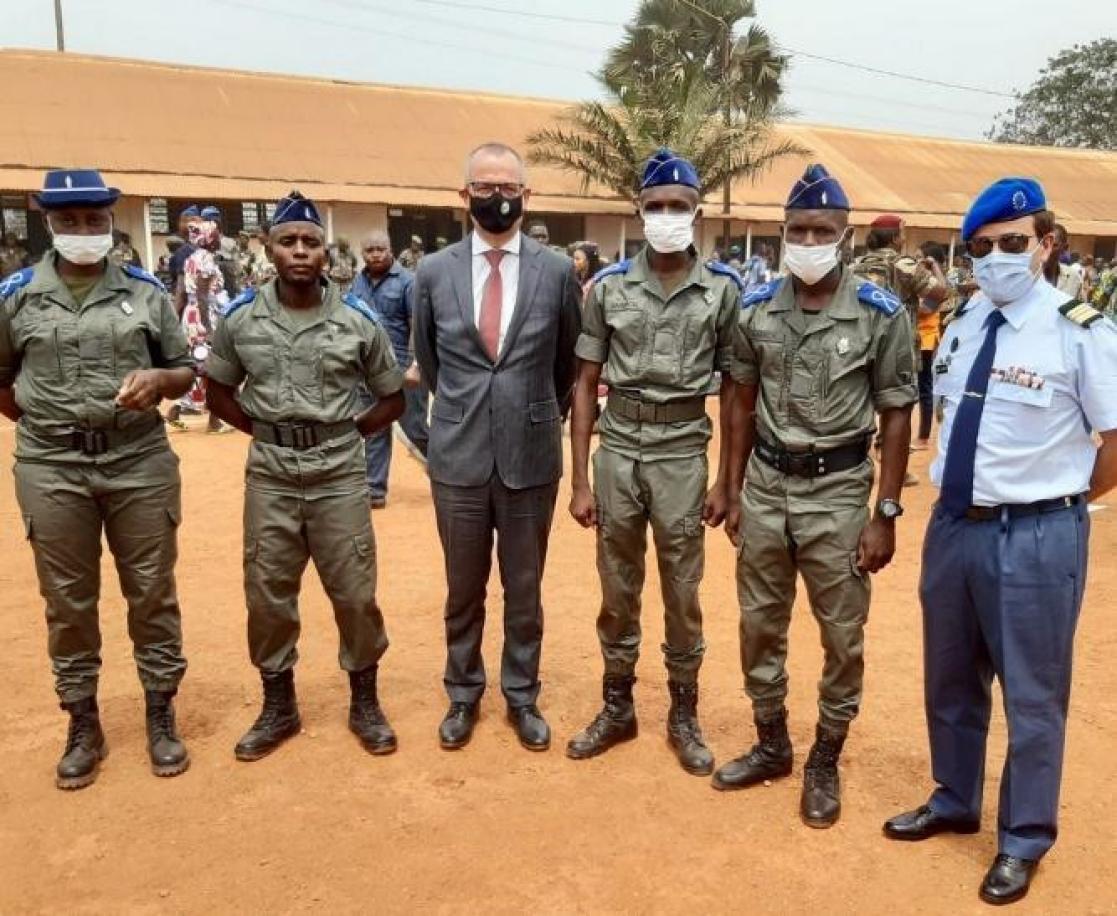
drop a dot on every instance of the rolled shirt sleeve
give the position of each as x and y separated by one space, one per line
593 342
223 364
894 382
728 314
1097 374
381 371
745 366
173 345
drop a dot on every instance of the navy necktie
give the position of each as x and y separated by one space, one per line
956 494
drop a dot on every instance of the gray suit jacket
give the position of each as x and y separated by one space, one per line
505 415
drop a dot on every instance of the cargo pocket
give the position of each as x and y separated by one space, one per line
362 546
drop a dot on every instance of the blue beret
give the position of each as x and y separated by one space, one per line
1006 199
817 190
75 188
210 212
192 210
294 208
664 167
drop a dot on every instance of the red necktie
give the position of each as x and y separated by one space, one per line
492 300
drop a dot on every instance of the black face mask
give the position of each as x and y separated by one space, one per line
496 214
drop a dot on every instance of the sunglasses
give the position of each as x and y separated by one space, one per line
1010 243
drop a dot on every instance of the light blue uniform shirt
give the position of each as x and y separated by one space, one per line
1053 383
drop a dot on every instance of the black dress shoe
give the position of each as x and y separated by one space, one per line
531 727
457 728
923 823
1007 879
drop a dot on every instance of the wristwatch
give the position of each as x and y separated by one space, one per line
889 509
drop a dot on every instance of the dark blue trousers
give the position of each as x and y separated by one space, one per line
1001 598
378 448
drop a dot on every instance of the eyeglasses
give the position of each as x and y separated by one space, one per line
485 189
1010 243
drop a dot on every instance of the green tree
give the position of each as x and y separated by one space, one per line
1072 103
666 84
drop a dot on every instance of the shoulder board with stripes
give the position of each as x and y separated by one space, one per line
138 273
1081 313
726 271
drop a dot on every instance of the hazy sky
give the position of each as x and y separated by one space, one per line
549 47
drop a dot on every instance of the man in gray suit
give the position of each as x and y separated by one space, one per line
496 319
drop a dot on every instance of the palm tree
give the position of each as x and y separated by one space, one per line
675 41
679 78
607 143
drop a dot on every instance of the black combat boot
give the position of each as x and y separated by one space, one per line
167 752
615 723
278 720
683 733
769 758
85 746
366 719
821 804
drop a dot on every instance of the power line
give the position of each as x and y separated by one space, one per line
865 68
387 33
894 74
471 27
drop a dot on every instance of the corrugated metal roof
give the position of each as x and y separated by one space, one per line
258 135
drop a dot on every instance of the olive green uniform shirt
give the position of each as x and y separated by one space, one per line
67 360
823 377
659 347
303 371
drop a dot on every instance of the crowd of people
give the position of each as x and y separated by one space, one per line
315 354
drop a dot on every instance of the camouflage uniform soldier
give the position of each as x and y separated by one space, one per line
819 356
300 348
87 350
660 326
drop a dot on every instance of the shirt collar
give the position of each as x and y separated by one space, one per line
480 246
1017 313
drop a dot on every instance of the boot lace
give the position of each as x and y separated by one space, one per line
81 732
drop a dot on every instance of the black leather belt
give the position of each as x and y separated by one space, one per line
812 464
300 435
95 442
647 412
1019 510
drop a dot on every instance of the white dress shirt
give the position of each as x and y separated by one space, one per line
1053 383
509 277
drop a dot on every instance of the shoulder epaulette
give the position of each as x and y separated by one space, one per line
621 267
15 282
1081 313
763 293
359 305
247 296
725 270
879 298
138 273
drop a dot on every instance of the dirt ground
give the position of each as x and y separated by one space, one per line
322 826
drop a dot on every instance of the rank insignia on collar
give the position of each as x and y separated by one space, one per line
954 345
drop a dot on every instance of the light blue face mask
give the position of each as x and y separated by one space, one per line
1004 278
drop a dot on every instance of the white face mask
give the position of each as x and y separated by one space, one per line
1004 278
810 263
82 249
669 232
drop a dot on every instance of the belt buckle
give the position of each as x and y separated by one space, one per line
303 436
89 441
